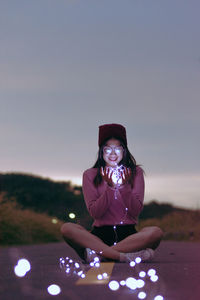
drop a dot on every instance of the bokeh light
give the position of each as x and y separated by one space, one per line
113 285
54 289
72 216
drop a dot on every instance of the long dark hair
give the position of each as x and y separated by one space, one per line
128 161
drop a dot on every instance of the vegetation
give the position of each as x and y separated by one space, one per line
178 225
32 210
19 226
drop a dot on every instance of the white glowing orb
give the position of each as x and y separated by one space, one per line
131 283
159 297
142 274
99 277
154 278
19 271
138 260
140 283
96 259
132 264
54 289
116 176
54 221
72 216
24 263
142 295
151 272
105 275
122 282
113 285
23 266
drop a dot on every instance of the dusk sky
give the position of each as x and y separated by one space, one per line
67 67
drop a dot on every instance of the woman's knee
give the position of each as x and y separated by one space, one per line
67 228
155 233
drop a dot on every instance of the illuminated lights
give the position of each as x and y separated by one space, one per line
105 275
23 266
54 221
117 176
159 297
131 283
140 283
97 265
96 259
142 295
113 285
122 282
99 277
132 264
54 289
151 272
154 278
72 216
142 274
138 260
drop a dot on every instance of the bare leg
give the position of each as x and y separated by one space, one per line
81 237
148 237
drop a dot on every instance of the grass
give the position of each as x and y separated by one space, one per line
22 226
19 227
179 226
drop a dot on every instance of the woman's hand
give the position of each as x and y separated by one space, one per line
125 175
106 174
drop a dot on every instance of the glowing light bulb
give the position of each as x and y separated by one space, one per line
159 297
142 295
54 289
116 176
142 274
151 272
154 278
140 283
23 266
132 264
113 285
138 260
99 277
122 282
131 283
72 216
54 221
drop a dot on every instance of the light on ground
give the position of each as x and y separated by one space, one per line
54 289
113 285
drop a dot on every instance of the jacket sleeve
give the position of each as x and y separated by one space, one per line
96 205
134 197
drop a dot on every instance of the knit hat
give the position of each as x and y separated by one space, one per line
112 130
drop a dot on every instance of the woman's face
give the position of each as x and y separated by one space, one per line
112 153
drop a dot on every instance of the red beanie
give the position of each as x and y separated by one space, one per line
112 130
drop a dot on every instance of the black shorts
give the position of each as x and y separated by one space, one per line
109 235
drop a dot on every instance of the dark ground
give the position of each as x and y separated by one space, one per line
177 264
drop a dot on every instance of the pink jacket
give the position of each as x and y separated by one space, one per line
102 204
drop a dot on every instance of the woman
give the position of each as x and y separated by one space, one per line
114 192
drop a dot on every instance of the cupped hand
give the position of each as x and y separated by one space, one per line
106 174
125 175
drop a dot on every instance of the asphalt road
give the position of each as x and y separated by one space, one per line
177 265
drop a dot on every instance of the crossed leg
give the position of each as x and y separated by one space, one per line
77 236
